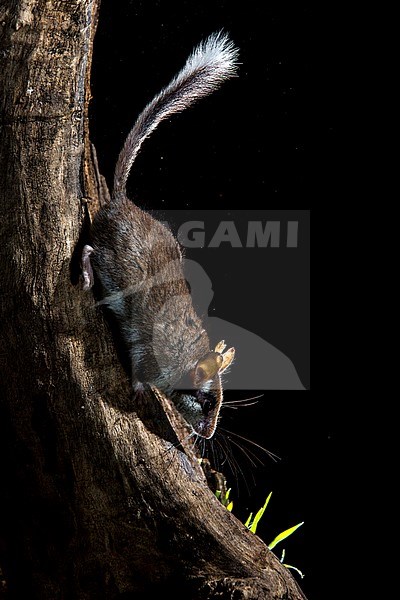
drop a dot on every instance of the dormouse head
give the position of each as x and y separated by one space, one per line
200 406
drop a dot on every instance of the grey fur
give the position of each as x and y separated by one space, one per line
139 263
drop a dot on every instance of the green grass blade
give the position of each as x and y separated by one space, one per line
284 535
247 524
230 507
259 515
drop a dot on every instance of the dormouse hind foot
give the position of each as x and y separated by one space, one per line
87 271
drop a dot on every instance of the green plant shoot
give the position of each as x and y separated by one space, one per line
284 535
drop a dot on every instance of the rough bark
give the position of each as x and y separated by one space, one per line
94 503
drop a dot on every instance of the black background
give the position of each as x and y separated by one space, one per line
266 140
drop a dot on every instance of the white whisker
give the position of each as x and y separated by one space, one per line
236 404
274 457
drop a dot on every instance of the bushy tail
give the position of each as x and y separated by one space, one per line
210 63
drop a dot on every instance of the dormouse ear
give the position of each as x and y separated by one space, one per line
208 367
227 359
219 348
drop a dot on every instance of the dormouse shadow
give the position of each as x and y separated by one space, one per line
258 365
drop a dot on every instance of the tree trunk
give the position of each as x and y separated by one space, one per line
95 503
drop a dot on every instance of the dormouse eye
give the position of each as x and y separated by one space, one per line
201 374
206 407
207 401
